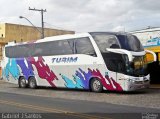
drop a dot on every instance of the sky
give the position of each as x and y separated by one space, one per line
84 15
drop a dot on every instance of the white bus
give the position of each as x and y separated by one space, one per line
94 61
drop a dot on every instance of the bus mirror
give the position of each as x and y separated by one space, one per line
121 51
151 56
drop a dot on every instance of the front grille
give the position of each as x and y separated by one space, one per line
141 82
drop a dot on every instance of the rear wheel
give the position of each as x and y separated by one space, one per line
22 82
96 85
32 83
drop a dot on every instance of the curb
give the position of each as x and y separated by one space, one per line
155 86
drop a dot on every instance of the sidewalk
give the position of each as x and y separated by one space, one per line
155 86
2 81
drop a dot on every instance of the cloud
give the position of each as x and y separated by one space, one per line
119 29
84 15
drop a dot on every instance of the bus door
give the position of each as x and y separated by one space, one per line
111 60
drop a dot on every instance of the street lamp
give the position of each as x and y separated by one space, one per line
21 17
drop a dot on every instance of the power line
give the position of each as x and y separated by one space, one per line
53 26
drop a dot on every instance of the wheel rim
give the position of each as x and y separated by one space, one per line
32 83
23 82
96 85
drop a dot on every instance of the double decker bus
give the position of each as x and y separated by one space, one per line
93 61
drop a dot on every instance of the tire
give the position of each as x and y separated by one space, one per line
32 83
96 85
22 82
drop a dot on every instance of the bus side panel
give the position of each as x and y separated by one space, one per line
78 75
75 72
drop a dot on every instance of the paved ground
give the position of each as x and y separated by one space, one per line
66 108
149 98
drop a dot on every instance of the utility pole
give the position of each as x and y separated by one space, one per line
42 11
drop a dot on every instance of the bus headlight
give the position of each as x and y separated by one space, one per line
131 80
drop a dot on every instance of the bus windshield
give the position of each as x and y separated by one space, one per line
138 67
120 62
124 41
130 42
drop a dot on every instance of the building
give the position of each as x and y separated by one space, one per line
22 33
150 39
147 34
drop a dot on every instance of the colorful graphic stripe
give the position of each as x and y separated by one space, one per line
80 79
26 66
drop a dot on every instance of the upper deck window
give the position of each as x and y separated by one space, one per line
106 41
130 42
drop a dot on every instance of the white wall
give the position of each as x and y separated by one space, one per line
145 35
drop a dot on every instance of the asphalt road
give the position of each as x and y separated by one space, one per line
49 103
65 108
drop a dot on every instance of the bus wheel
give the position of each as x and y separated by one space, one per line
96 85
32 83
22 82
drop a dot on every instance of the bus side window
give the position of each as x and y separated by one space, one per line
60 47
18 51
71 44
106 41
84 46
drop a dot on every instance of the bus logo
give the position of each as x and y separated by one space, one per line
65 60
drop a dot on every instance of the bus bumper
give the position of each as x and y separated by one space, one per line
137 83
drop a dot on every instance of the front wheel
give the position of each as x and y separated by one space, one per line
22 82
32 83
96 85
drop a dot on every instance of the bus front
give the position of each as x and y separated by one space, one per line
124 56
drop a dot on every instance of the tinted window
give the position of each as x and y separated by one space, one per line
84 46
71 44
52 48
106 41
115 62
130 42
39 49
18 51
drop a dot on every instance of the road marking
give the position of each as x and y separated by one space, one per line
51 110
